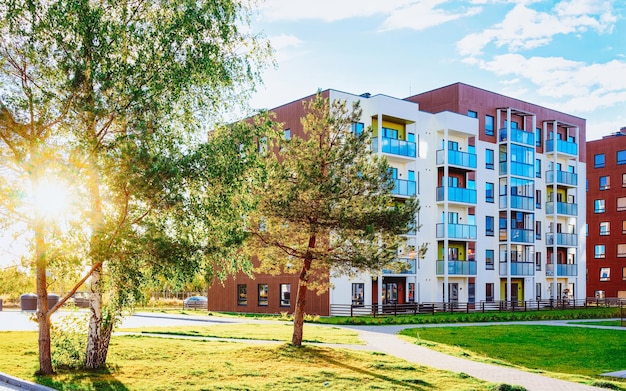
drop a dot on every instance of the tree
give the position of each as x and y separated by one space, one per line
327 204
115 83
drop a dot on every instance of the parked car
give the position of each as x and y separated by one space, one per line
201 302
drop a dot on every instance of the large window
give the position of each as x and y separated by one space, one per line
605 274
242 294
605 182
598 206
605 228
598 160
489 254
263 295
621 157
599 251
358 293
489 125
285 295
489 192
489 156
621 204
489 225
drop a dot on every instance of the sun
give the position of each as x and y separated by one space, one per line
52 199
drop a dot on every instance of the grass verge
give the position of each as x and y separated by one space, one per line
138 363
569 353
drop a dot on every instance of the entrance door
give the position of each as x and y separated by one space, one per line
514 291
390 293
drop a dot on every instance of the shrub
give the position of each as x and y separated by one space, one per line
69 341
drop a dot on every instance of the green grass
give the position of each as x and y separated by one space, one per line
269 332
614 323
143 363
572 351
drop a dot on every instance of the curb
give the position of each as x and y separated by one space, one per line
24 384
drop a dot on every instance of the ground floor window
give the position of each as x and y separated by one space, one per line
242 294
263 293
538 290
411 292
489 291
358 296
285 295
599 294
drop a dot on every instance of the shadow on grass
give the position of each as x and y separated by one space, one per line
72 379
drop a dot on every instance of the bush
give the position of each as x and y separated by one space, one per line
69 341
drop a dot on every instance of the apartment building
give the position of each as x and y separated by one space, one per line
442 147
606 216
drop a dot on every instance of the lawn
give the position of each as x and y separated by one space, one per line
145 363
556 349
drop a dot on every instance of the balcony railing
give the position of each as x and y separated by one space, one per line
562 239
457 231
457 158
519 136
522 235
518 268
518 169
563 146
403 187
395 146
562 178
562 208
518 202
562 270
404 266
458 194
467 268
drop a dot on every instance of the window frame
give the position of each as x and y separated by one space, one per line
621 204
607 228
490 159
596 160
489 220
358 288
597 254
285 301
263 301
242 295
621 250
599 206
605 274
605 182
489 199
490 265
620 160
490 130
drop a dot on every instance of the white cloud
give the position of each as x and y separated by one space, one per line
423 14
284 46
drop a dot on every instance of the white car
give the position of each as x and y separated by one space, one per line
201 302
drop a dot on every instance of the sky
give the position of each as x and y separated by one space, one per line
565 55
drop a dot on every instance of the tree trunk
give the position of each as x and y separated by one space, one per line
43 318
298 315
100 330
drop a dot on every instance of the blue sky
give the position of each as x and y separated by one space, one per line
565 55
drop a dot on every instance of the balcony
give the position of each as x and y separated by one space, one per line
458 194
467 268
518 202
395 147
518 136
518 268
402 266
457 231
562 208
457 158
562 270
403 187
562 178
562 239
562 146
518 169
522 235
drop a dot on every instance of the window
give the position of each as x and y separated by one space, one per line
624 273
538 137
599 251
605 182
489 225
411 292
489 254
605 228
357 128
489 125
623 180
242 294
285 295
489 291
538 199
472 114
410 137
621 157
598 206
621 250
621 204
538 168
605 274
623 226
390 133
287 133
489 159
538 261
489 192
263 292
598 160
599 294
538 290
358 294
538 230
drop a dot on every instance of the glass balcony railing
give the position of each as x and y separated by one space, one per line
403 187
522 235
518 202
458 194
457 231
562 239
467 268
562 178
401 266
562 270
518 169
562 208
457 158
518 268
395 146
563 146
518 136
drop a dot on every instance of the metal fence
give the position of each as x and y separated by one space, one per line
483 306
